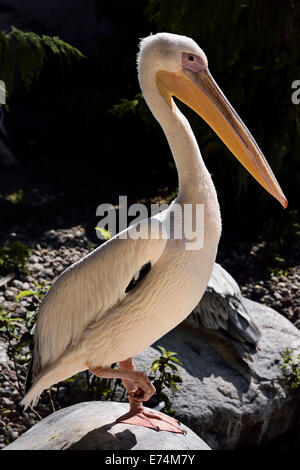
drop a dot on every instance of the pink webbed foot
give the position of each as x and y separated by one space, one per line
139 389
151 419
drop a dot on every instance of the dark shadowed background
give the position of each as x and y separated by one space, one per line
82 134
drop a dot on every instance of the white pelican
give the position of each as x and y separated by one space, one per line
96 313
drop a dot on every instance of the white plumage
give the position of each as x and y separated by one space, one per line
87 319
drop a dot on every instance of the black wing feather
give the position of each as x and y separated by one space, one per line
142 273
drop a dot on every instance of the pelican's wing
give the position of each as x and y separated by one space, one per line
229 315
222 308
88 288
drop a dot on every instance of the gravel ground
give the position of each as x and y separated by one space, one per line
56 250
277 287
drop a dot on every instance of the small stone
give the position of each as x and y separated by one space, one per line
30 422
36 267
10 295
48 272
20 310
276 305
277 296
17 283
34 259
297 323
297 312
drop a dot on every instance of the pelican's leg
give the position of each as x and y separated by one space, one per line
139 389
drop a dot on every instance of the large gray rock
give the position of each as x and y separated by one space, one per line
92 426
229 401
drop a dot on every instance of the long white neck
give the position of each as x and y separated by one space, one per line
193 177
195 183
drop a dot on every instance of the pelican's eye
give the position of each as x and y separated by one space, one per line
191 58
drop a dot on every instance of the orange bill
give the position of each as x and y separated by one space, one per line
201 93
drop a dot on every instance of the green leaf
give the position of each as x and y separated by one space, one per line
28 52
172 366
174 359
125 106
105 233
154 367
24 293
177 378
16 197
165 354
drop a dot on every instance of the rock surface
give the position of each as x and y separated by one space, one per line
91 426
227 401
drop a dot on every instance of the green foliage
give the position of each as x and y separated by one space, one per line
10 328
17 331
287 233
90 387
278 271
17 197
276 264
35 299
291 368
281 237
166 378
8 324
125 106
28 52
105 234
30 318
13 257
136 106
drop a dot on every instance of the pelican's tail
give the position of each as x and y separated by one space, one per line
60 370
32 396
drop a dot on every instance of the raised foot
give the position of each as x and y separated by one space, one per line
153 420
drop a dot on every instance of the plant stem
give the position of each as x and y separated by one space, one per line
35 412
19 388
51 401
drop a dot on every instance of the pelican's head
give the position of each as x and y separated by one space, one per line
178 67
